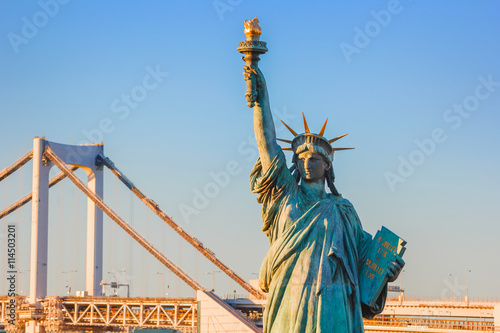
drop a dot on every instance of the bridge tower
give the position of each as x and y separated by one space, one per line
84 157
33 315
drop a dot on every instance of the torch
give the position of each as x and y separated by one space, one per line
251 49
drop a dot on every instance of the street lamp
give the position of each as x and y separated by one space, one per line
116 272
162 283
67 281
467 286
213 279
451 275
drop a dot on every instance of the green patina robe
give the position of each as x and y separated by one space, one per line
311 269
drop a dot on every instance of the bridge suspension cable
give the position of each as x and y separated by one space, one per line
49 153
191 240
27 198
19 163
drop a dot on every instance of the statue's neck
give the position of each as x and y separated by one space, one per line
314 190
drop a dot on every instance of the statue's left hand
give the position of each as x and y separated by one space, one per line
395 267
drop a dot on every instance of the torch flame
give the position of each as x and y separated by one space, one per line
252 28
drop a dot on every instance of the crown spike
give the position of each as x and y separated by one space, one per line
286 141
290 129
322 131
335 139
306 127
335 149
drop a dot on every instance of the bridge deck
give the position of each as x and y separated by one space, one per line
109 313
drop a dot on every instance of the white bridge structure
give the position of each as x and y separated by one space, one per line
90 311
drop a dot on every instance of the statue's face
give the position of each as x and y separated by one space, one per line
312 166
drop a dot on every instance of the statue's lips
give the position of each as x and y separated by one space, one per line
308 173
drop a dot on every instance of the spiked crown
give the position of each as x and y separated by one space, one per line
312 142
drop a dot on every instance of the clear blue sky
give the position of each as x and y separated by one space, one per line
416 84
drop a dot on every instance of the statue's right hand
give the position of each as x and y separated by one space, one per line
253 73
248 72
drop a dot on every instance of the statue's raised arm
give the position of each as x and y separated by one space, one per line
256 94
263 123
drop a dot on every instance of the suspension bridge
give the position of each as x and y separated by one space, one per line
91 310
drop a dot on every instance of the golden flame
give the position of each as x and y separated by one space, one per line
252 28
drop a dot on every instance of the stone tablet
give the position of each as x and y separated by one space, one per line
385 247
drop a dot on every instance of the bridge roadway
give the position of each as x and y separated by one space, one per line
440 308
98 314
435 316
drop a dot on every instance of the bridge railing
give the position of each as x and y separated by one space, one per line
434 323
450 299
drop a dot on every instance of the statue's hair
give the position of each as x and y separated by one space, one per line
315 149
329 174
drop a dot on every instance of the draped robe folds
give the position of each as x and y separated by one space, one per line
311 268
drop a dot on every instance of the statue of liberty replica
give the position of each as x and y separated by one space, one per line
317 243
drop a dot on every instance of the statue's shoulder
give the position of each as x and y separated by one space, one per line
340 201
344 205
